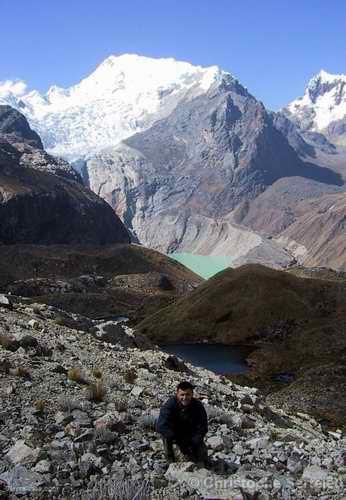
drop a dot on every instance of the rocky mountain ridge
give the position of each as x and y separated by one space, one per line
42 199
188 172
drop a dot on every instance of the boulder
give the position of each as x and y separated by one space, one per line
22 481
20 453
5 301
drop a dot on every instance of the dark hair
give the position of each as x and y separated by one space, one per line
185 386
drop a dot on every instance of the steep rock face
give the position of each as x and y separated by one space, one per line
304 143
322 108
317 236
15 130
14 125
37 206
274 210
209 155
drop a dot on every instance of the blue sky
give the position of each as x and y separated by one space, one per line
272 47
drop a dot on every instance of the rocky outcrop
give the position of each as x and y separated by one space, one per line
15 130
79 416
42 200
15 127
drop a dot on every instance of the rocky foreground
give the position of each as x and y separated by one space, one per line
77 416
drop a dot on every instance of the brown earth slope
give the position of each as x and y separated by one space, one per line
320 227
96 281
239 305
306 221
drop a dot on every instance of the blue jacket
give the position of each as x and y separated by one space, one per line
182 422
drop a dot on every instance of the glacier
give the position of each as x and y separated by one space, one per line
126 94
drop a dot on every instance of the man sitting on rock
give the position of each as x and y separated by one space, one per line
183 420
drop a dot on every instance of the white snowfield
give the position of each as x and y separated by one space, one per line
123 96
324 98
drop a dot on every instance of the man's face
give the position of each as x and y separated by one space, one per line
184 397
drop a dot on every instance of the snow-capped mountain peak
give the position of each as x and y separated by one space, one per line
124 95
323 102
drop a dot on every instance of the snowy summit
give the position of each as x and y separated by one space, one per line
124 95
324 102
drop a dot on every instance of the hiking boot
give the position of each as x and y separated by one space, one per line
168 449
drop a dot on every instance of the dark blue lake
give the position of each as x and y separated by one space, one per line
218 358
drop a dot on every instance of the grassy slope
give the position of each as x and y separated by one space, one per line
237 304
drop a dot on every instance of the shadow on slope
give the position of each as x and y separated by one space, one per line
95 281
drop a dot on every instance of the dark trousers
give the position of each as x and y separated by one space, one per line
193 451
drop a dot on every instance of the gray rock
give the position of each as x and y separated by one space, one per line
63 418
313 473
258 443
215 443
20 453
43 466
247 422
85 436
5 301
294 465
22 481
34 324
137 391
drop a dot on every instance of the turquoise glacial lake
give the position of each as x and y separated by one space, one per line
203 265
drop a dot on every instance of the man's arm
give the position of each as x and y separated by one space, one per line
164 424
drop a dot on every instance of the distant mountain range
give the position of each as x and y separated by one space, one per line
191 161
322 108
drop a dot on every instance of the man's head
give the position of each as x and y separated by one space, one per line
184 393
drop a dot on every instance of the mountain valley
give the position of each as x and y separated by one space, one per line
183 159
